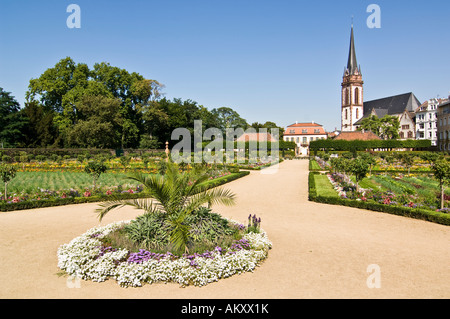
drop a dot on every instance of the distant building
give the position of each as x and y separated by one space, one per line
427 120
357 135
302 134
443 128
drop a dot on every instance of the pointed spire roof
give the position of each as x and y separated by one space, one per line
352 64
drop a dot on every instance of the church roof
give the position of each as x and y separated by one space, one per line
393 104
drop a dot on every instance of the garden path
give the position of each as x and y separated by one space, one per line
319 251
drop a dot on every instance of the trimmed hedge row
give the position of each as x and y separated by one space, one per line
74 152
279 145
359 145
417 213
5 207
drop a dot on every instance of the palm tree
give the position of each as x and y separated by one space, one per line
177 194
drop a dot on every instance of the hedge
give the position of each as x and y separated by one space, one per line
279 145
417 213
5 207
74 152
359 145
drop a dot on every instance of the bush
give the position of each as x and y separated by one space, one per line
151 232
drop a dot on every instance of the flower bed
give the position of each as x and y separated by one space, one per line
85 257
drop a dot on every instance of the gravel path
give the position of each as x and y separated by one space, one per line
319 251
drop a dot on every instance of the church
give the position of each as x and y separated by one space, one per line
354 108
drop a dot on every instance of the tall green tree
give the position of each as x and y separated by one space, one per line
97 124
12 121
40 130
229 118
386 127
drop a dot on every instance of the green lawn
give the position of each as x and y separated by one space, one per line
324 187
30 182
314 165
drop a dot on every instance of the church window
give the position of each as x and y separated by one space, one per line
346 100
357 112
357 97
346 114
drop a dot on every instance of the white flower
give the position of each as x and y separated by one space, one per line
81 257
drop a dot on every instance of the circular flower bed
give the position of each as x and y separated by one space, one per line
85 257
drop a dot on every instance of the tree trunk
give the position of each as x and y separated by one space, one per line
442 196
6 198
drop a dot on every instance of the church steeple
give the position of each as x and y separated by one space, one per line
352 64
352 90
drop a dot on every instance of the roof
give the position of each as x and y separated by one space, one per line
352 64
305 130
305 125
260 137
357 135
445 103
393 104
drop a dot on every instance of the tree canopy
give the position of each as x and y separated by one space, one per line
73 105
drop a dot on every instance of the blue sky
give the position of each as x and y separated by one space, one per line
279 61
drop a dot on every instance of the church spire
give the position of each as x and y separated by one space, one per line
352 64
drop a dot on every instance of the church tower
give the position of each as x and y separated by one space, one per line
352 91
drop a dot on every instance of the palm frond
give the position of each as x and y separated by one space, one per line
145 204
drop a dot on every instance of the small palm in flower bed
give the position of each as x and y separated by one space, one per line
176 200
148 235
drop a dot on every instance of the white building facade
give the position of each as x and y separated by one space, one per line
302 134
427 121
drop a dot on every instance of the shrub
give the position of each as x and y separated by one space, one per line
7 173
95 169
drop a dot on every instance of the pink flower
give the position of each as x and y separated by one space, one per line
87 194
108 192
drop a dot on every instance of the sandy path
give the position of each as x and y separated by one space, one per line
319 251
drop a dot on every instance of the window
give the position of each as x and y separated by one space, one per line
402 135
291 131
346 114
305 140
357 98
405 127
304 131
316 131
357 112
410 134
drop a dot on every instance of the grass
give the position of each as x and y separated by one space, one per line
30 182
314 165
324 187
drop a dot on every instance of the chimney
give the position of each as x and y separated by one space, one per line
312 122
